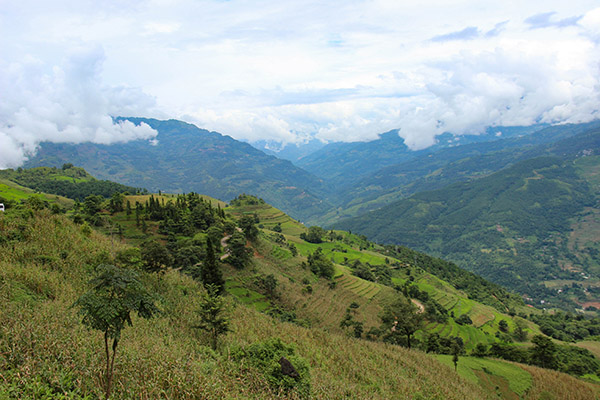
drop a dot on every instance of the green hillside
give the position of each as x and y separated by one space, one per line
68 181
278 294
440 167
183 158
166 357
517 227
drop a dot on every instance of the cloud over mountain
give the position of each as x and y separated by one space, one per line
288 72
65 103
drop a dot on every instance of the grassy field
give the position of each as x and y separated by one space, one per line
506 379
14 192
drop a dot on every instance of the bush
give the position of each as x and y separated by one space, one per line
268 358
464 319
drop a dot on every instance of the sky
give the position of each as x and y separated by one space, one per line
289 71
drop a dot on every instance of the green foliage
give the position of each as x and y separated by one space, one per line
400 320
566 326
107 307
71 182
269 284
115 294
247 224
543 352
320 265
503 326
315 235
266 357
239 254
213 315
211 274
155 256
464 319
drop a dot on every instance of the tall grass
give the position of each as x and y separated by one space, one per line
46 353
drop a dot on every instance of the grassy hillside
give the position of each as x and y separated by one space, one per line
334 324
46 353
68 181
517 227
12 193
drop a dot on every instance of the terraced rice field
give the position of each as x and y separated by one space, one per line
359 286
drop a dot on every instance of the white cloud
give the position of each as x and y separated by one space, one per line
65 103
285 71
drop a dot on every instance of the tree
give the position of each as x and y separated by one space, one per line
211 271
269 284
239 254
213 315
400 319
115 204
520 332
314 235
543 352
107 307
503 326
432 344
155 256
247 223
455 352
293 249
480 350
92 205
321 265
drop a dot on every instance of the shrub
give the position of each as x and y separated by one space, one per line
268 356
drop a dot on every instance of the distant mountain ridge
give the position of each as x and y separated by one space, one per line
345 164
185 158
514 227
447 165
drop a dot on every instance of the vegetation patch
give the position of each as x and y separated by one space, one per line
519 380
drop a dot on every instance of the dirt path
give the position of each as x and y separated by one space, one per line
419 305
224 245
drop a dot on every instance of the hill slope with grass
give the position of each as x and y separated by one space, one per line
281 299
46 353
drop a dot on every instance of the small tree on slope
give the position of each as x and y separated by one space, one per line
107 307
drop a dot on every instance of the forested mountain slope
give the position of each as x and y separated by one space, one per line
184 158
449 165
345 164
512 227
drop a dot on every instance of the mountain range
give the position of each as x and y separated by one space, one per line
349 180
183 158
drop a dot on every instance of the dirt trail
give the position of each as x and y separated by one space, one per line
224 245
418 304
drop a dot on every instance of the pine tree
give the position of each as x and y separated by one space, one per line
212 315
211 270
